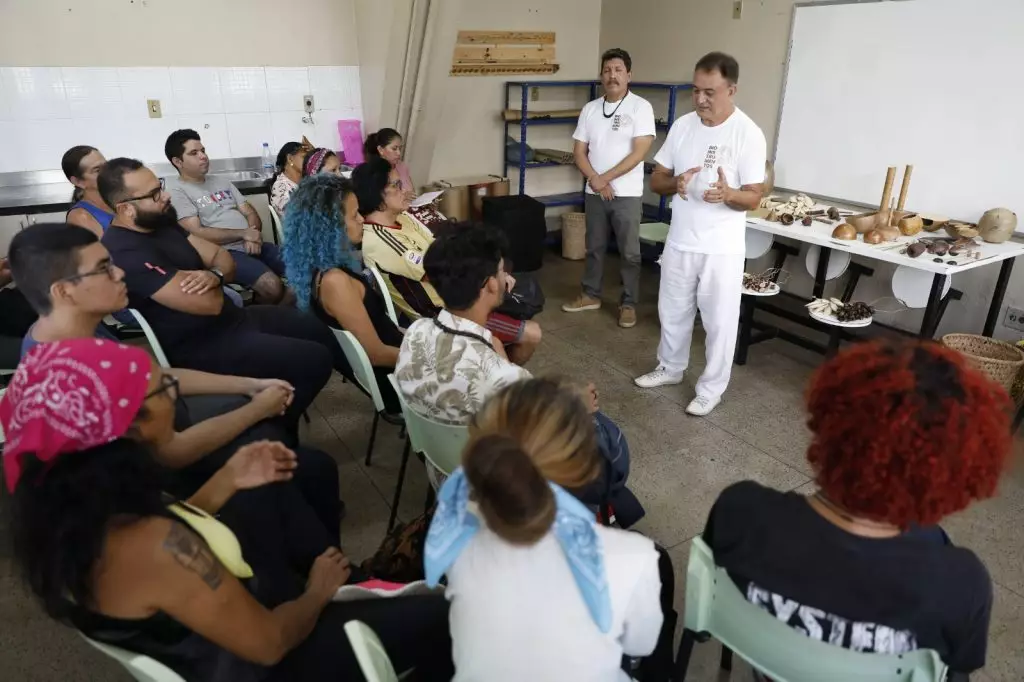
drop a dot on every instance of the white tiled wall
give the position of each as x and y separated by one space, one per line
46 110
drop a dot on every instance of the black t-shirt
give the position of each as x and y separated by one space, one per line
149 261
875 595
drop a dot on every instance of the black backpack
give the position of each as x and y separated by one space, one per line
525 300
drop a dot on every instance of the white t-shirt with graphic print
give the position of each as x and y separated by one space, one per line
610 139
739 147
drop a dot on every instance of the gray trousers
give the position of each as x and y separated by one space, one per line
621 214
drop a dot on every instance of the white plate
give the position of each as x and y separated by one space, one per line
913 286
758 243
773 290
832 320
838 261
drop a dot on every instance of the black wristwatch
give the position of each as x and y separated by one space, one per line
220 275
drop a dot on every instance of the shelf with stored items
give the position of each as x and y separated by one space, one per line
525 121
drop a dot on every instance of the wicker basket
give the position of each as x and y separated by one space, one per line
1001 361
574 236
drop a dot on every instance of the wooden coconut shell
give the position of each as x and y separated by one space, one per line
961 230
864 222
911 224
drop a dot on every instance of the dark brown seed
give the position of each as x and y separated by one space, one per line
937 260
806 222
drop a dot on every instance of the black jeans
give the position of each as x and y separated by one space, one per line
273 342
413 630
316 477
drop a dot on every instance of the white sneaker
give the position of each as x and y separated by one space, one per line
702 405
659 377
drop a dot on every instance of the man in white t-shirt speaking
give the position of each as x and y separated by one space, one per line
713 161
613 136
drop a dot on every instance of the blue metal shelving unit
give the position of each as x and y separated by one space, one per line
572 198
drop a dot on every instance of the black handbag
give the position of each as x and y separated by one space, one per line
525 300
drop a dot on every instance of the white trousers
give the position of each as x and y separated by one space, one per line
713 284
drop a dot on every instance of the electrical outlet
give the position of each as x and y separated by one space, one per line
307 104
153 107
1014 318
737 9
534 94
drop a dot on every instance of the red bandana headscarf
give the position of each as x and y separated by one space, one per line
69 396
315 161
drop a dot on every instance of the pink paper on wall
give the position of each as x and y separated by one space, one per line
350 132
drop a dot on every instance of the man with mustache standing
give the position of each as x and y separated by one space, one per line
174 279
613 136
713 162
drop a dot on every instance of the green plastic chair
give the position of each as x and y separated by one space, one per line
366 380
142 668
154 343
385 292
276 225
373 659
441 444
716 608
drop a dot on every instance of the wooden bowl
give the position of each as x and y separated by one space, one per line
911 224
864 222
959 229
931 223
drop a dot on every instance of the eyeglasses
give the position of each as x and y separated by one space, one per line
106 268
395 184
154 194
168 385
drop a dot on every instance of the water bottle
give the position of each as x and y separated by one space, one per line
268 160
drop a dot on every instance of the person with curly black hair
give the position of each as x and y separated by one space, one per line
903 436
107 552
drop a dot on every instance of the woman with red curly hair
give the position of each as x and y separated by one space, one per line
903 435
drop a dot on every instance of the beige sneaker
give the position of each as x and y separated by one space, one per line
627 317
582 302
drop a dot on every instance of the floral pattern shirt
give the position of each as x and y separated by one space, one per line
447 377
281 192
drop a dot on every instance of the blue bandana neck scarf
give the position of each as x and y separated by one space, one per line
454 526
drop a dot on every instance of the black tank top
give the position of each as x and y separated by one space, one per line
376 309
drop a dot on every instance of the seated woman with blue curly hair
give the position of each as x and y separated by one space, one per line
322 234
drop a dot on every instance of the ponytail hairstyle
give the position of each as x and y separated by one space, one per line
287 150
381 138
71 164
515 500
528 434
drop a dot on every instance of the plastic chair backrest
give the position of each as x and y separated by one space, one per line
441 444
715 605
372 657
2 391
385 292
142 668
154 343
361 367
276 225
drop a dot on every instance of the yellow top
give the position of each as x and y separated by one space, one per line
221 541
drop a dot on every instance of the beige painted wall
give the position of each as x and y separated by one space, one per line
666 37
458 130
177 33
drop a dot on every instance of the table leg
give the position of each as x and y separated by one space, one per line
833 342
822 272
997 296
746 329
931 311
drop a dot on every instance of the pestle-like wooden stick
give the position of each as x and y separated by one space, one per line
905 188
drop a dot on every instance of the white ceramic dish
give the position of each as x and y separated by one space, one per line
834 321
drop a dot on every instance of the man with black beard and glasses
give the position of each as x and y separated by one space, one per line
174 279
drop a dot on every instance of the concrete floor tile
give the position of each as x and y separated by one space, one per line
1006 637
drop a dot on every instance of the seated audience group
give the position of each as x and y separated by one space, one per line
173 511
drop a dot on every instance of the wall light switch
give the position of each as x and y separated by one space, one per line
153 107
737 9
307 104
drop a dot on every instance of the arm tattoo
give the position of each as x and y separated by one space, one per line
193 554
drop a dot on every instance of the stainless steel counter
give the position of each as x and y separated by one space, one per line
48 191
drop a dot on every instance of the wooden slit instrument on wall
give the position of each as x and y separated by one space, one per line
488 53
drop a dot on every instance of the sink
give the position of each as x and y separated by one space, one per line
238 176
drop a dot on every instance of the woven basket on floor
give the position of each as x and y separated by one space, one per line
574 236
1000 360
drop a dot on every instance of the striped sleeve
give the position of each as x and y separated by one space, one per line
390 253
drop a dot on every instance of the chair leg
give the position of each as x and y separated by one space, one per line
683 655
305 415
430 497
398 487
726 661
373 437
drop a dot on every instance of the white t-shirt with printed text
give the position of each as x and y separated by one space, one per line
610 139
738 146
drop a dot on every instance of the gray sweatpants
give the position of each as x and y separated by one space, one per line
621 214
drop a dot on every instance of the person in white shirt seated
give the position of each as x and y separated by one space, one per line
449 365
538 590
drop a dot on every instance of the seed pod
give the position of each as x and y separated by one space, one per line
787 219
806 222
941 248
916 249
833 213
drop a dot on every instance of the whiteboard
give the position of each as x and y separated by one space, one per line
934 83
